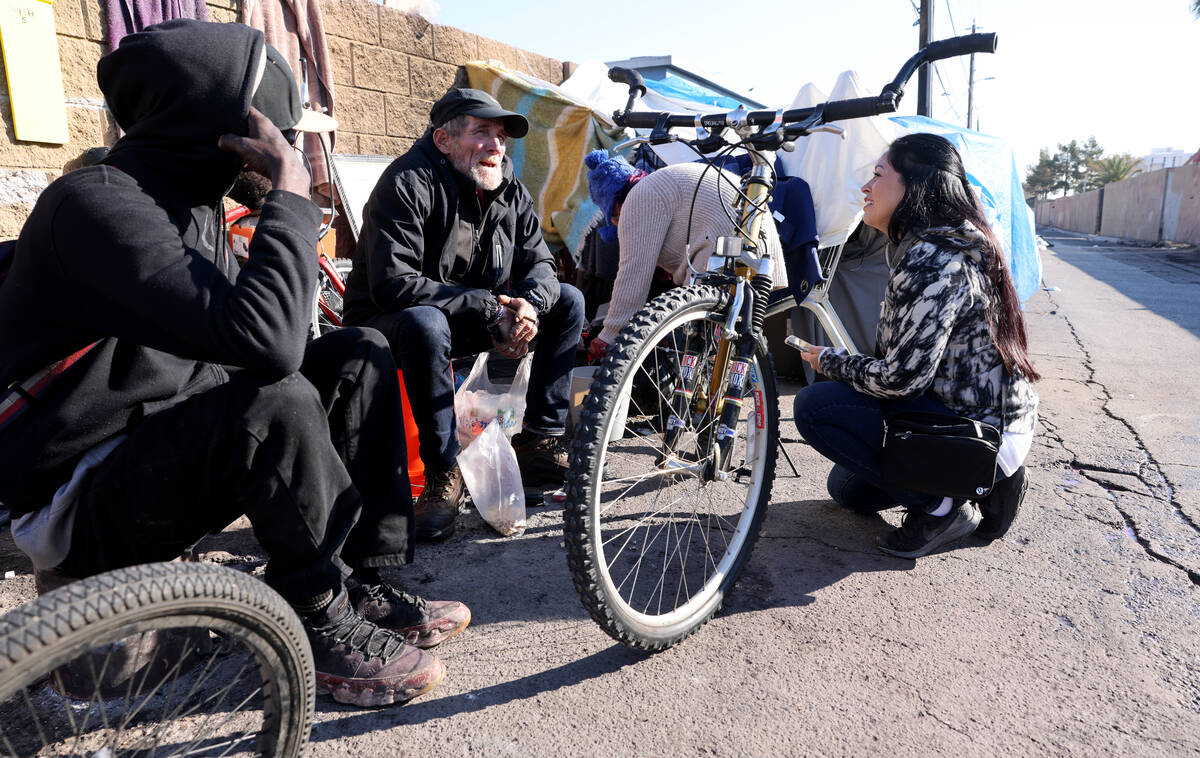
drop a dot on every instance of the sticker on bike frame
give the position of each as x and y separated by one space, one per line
688 366
724 432
760 417
675 423
737 376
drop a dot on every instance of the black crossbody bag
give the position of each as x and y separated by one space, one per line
941 454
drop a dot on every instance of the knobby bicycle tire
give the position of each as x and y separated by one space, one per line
228 616
597 535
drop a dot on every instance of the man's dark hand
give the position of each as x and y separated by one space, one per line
266 151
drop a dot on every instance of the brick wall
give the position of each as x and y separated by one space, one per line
389 66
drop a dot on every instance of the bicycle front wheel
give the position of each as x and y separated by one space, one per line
159 659
655 536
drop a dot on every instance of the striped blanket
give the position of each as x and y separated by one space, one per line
549 160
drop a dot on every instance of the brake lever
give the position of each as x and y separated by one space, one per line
651 140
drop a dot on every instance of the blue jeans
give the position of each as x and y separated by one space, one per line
846 426
422 344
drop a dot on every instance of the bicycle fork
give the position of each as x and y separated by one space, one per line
719 404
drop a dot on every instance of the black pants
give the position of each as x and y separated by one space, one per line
316 461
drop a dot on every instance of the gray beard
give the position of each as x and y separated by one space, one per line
487 179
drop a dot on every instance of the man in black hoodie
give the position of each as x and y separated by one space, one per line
191 397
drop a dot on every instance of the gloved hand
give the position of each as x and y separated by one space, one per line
596 350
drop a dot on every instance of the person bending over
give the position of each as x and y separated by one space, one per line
191 397
669 219
451 262
950 339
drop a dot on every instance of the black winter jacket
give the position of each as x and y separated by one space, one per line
130 254
407 251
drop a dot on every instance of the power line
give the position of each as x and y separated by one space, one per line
954 29
937 70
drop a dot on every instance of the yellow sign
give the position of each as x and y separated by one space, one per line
35 86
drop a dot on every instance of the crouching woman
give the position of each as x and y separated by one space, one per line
950 339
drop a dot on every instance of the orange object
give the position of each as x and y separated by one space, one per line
416 469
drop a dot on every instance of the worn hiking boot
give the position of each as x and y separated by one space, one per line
921 534
421 622
361 663
1000 507
437 506
543 460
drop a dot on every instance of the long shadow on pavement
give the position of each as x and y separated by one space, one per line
1162 281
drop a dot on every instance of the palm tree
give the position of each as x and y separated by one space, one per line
1196 8
1116 168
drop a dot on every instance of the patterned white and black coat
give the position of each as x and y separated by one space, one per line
933 334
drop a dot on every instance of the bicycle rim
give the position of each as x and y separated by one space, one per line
327 294
156 660
654 555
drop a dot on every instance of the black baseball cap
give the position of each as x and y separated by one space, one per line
277 98
477 103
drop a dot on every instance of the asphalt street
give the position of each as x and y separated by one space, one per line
1076 634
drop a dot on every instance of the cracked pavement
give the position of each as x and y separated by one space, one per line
1076 634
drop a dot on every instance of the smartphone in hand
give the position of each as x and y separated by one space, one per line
799 344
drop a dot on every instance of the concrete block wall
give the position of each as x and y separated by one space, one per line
389 67
1079 213
1134 208
1181 206
26 168
1162 205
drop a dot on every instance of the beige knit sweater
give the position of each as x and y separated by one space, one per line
653 231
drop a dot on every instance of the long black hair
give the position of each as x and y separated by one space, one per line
936 193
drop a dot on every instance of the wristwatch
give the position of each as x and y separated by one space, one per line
534 298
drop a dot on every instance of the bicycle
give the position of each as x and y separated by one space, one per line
156 659
667 489
331 272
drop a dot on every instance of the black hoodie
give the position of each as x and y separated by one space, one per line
131 253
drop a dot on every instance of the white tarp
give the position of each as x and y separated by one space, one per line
834 166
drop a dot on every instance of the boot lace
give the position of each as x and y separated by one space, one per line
359 634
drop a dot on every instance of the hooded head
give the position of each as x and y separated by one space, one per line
176 87
609 181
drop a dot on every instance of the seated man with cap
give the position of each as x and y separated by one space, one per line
156 393
451 262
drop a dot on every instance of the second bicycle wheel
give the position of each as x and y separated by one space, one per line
654 544
159 659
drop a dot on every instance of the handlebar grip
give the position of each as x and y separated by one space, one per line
628 77
984 42
860 107
638 119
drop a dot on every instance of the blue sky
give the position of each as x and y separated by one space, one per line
1065 69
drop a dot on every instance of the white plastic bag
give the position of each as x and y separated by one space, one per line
489 468
478 401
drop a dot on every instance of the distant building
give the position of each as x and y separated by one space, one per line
673 80
1163 157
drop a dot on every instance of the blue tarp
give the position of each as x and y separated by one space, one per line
681 89
992 168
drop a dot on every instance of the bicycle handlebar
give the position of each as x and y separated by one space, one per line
834 110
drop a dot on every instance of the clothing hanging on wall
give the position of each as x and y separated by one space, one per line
129 16
297 29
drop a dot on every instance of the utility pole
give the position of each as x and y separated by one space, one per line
924 90
971 84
